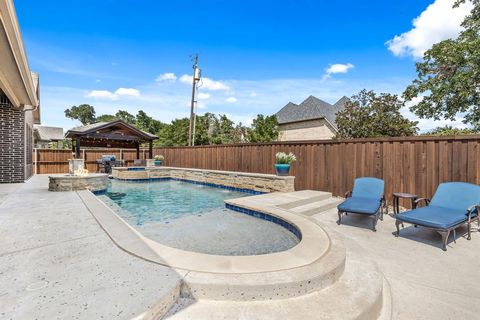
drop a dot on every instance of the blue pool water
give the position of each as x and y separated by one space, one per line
193 217
165 200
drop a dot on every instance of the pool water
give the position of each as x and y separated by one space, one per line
193 217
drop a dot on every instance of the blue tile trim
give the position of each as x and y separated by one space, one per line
98 192
213 185
257 214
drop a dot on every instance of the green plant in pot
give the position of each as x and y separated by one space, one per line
158 160
283 162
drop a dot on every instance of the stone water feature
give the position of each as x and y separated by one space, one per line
78 178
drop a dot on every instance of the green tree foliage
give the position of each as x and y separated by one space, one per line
146 123
264 129
209 128
84 113
174 134
451 131
125 116
448 77
367 114
105 118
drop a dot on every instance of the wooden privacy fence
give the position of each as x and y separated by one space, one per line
408 164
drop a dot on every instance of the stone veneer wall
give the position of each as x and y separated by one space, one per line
251 181
93 182
12 144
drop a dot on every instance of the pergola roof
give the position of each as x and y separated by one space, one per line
110 134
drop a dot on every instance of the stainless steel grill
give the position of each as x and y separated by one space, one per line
107 162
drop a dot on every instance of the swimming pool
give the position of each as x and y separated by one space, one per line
193 217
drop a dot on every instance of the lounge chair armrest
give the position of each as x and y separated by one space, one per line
348 194
426 200
471 208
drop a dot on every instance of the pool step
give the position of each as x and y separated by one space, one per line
319 196
358 294
312 208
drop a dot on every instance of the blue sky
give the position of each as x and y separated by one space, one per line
255 56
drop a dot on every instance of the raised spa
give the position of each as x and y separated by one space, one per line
192 216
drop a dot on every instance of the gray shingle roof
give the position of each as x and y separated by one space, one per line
310 109
48 133
93 126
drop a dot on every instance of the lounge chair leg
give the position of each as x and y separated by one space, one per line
375 219
469 228
454 236
397 224
339 222
445 235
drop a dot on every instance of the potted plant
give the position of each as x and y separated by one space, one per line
158 160
283 162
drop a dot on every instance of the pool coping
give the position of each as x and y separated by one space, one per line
314 244
208 184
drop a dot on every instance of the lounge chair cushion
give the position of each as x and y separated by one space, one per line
456 195
360 205
434 217
368 187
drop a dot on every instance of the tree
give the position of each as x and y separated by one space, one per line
105 118
367 114
174 134
125 116
264 129
146 123
448 77
451 131
85 113
224 131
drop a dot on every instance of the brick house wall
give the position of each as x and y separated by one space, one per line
12 143
317 129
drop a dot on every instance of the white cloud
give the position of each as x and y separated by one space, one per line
206 83
339 68
201 106
203 96
438 22
169 76
231 100
127 92
101 94
108 95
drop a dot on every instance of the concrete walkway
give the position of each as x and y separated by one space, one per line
57 263
426 282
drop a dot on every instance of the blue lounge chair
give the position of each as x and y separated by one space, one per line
453 204
367 198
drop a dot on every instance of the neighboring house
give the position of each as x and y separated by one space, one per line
47 137
19 100
313 119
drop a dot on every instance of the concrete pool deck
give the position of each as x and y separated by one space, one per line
56 263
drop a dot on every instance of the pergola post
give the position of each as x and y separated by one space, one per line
77 148
150 149
137 146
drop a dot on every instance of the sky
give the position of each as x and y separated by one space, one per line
255 56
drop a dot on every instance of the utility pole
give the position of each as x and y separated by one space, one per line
196 78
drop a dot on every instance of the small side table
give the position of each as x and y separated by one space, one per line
398 195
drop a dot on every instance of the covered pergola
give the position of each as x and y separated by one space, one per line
113 134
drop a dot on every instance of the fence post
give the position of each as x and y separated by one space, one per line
35 159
